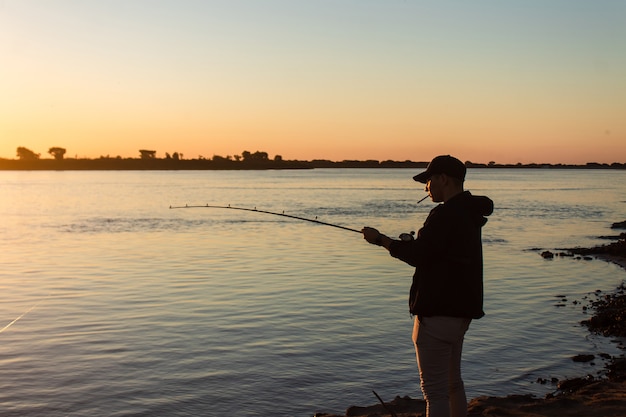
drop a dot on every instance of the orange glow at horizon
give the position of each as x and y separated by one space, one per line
395 81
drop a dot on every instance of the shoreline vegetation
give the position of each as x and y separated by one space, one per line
602 395
31 161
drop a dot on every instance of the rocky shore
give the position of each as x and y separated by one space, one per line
591 396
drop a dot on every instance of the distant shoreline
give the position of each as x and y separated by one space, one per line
155 164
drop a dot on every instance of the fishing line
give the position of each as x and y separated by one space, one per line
20 316
269 212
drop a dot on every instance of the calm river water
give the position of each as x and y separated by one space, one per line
112 304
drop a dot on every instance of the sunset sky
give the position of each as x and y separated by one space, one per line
506 81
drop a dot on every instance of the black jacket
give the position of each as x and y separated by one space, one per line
448 260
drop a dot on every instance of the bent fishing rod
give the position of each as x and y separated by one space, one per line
229 207
268 212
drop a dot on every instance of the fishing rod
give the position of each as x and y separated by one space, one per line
403 236
269 212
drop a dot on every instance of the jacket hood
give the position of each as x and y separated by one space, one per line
479 206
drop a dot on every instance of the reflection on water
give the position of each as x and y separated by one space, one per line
121 306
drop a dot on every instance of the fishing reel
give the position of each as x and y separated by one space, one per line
407 237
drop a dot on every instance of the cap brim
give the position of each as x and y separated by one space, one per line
423 177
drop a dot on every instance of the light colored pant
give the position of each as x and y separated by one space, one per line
438 346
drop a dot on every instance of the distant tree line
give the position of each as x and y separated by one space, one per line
147 160
25 154
28 159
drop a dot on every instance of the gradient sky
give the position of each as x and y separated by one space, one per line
506 81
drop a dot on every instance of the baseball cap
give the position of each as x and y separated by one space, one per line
442 164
